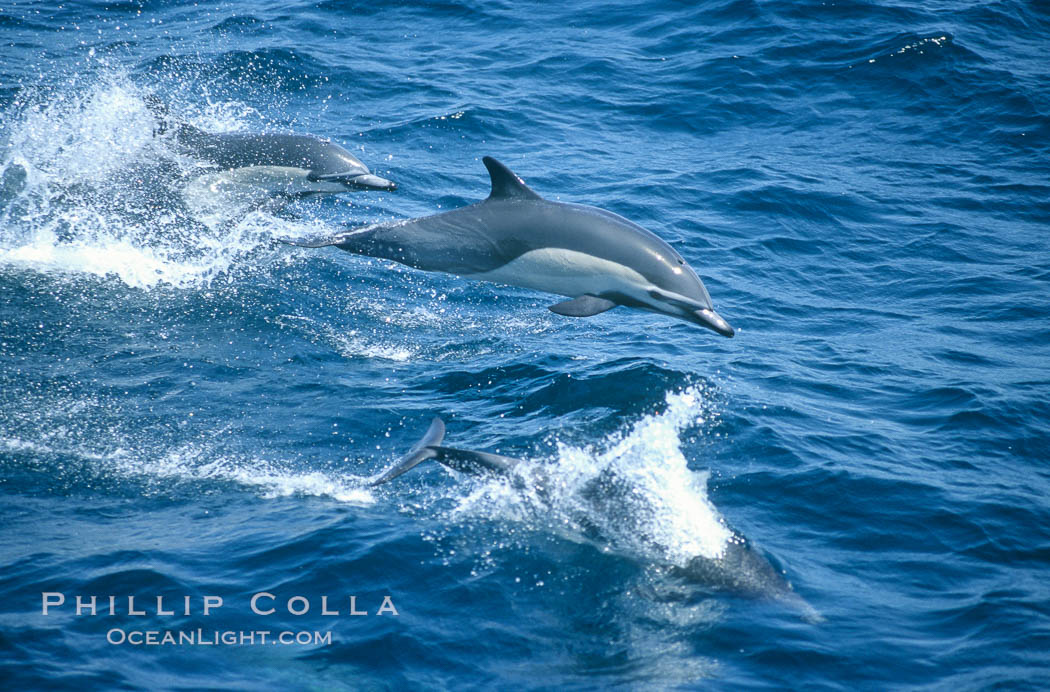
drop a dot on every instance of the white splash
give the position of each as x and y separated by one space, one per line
87 188
193 463
638 494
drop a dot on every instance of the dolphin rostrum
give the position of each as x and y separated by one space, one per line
598 259
739 569
301 164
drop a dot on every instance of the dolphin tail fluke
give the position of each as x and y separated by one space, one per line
462 460
417 455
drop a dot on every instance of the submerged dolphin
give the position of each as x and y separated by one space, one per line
598 259
740 569
300 164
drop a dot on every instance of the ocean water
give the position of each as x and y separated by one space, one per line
191 411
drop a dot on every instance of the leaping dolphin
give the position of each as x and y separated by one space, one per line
740 568
596 258
295 164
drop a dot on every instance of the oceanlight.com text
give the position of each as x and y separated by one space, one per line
202 637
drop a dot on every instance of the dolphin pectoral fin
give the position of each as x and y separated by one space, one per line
584 306
419 453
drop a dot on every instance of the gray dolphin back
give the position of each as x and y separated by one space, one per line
467 241
241 149
325 160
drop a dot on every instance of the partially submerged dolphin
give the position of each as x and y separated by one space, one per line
739 569
299 164
598 259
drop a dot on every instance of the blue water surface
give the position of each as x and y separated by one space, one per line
188 409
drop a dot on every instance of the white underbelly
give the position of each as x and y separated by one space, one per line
567 273
275 180
219 196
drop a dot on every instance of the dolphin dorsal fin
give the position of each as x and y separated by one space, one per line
506 185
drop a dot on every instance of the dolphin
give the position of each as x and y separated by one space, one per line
740 569
298 164
596 258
